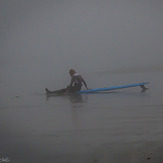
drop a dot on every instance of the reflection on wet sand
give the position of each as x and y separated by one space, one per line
73 98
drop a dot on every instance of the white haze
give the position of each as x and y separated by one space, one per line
41 40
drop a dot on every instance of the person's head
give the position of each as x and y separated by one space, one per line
72 72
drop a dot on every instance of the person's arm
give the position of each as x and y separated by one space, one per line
83 81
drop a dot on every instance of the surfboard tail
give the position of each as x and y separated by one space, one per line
143 86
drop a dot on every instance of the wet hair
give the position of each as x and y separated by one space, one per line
72 71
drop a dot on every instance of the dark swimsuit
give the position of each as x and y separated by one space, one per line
76 84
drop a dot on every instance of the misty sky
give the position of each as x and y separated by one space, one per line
41 40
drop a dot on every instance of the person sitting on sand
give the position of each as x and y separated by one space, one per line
76 84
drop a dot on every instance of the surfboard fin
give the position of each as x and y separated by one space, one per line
143 88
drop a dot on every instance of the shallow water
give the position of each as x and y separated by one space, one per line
95 127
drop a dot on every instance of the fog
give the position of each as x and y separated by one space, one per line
41 40
110 43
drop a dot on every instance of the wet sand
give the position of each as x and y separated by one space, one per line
123 126
83 129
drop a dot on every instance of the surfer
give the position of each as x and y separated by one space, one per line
76 84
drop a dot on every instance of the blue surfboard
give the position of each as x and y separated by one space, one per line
114 88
